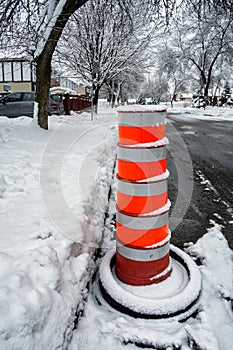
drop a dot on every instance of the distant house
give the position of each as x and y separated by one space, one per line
186 96
131 101
17 74
62 90
62 84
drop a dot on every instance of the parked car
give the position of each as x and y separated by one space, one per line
22 104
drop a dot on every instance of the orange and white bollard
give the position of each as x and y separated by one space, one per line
142 234
143 259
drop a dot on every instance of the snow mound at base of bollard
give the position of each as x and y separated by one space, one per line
176 297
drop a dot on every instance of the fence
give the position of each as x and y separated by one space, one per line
76 103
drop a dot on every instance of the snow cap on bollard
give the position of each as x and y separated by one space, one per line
142 253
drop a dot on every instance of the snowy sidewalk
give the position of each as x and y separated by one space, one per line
53 192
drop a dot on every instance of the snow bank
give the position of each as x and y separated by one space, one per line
210 113
216 328
44 269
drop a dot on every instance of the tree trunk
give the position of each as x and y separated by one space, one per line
207 85
118 93
44 59
113 95
206 93
43 72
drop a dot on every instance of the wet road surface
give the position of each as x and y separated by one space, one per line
210 147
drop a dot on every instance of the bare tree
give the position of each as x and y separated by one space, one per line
171 68
125 86
155 88
103 45
204 38
53 16
40 24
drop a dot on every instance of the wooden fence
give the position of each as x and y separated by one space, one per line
76 103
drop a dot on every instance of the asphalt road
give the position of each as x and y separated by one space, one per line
210 148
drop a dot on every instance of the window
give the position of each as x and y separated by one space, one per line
28 96
7 71
26 71
1 71
55 98
17 71
15 97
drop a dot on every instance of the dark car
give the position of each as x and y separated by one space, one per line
22 104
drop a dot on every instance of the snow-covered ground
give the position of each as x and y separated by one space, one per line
103 327
53 194
210 113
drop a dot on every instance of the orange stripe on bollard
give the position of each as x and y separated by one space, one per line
141 198
140 273
130 135
140 171
142 266
141 237
140 205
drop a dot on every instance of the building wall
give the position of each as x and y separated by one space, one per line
17 86
81 90
66 82
16 75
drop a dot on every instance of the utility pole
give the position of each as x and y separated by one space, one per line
92 96
94 75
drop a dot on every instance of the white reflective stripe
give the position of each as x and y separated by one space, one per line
141 154
141 189
142 222
143 254
142 119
